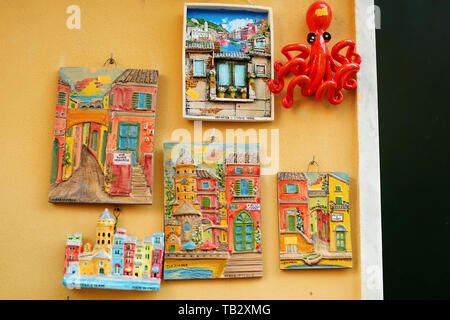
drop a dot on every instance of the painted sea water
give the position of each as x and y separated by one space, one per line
233 47
110 282
188 273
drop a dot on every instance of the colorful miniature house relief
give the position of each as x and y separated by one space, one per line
115 261
212 211
103 136
314 220
227 63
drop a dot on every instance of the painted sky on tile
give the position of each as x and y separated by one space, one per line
229 19
105 76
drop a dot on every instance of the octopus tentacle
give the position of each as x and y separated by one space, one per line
302 81
304 53
277 65
329 85
344 79
304 50
349 79
350 57
277 85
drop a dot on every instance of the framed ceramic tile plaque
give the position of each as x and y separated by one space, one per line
227 62
212 215
102 150
314 220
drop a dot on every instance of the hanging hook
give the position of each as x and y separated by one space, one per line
110 60
213 137
116 213
313 163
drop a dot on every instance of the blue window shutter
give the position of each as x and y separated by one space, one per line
239 75
224 74
199 68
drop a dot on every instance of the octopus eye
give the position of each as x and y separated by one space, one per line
311 37
326 36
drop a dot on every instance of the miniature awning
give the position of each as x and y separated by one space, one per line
207 245
189 246
232 56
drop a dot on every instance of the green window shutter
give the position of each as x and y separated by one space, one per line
61 98
296 188
111 100
135 101
250 170
250 187
148 101
238 187
285 188
338 200
206 202
94 140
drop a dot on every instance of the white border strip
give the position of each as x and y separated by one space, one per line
369 164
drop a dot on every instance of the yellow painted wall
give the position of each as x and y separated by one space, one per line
148 34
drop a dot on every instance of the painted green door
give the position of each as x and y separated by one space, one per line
55 154
340 241
103 152
94 140
128 139
291 223
243 232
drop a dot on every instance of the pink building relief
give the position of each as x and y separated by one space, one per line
131 98
120 173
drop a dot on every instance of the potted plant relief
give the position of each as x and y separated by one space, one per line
232 90
212 75
251 78
221 91
243 92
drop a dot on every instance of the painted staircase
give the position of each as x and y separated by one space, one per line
244 265
139 186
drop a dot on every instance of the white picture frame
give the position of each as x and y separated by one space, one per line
269 110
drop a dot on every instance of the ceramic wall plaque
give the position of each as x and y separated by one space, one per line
103 136
314 220
115 260
227 62
212 211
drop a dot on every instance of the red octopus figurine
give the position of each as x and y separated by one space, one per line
315 76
